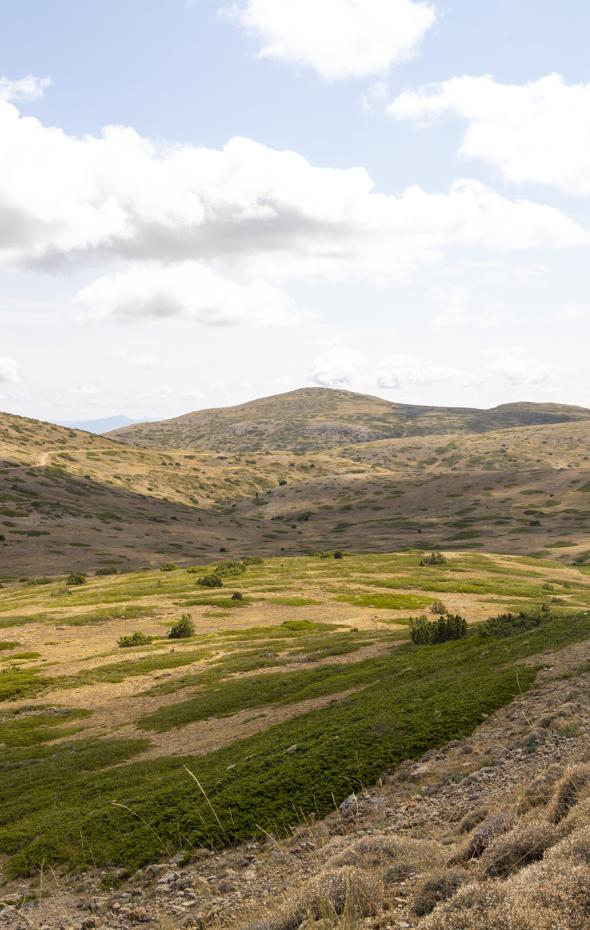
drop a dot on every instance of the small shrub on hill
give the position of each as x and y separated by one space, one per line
432 632
237 596
134 639
183 628
210 581
510 624
76 578
438 608
169 567
435 558
230 567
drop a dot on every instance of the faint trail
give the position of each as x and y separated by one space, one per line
44 460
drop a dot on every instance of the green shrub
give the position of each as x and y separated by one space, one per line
338 554
76 578
183 628
106 571
237 596
438 608
230 567
134 639
169 567
510 624
211 581
435 558
432 632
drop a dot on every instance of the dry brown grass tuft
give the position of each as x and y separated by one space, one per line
393 857
549 895
575 847
575 780
473 818
524 844
484 836
437 887
538 793
332 893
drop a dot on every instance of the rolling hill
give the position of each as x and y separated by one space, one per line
71 500
318 418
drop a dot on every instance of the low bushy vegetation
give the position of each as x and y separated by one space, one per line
183 628
211 581
426 632
134 639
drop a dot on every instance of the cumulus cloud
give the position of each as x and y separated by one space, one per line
187 289
339 39
518 368
572 313
536 132
27 88
9 371
258 211
399 372
337 368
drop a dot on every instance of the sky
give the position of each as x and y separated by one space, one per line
205 201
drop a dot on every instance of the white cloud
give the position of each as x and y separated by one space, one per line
142 361
399 372
537 132
233 224
9 371
339 39
518 368
337 368
187 289
27 88
121 194
572 313
83 390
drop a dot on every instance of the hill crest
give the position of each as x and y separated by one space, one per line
311 419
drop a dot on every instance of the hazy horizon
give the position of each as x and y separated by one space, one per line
393 203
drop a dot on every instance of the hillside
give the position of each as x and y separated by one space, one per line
235 765
316 418
72 500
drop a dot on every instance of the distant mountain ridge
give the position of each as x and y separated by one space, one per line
100 426
311 419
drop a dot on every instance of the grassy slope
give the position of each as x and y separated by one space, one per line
66 802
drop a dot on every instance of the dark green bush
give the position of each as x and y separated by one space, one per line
230 567
237 596
169 567
76 578
432 632
211 581
510 624
183 628
134 639
435 558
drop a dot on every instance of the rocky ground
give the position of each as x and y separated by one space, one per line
483 823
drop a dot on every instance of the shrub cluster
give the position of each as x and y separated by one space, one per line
76 578
229 567
211 581
435 558
431 632
134 639
183 628
510 624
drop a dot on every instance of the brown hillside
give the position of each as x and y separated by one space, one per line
317 418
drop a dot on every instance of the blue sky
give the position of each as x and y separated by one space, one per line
470 292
